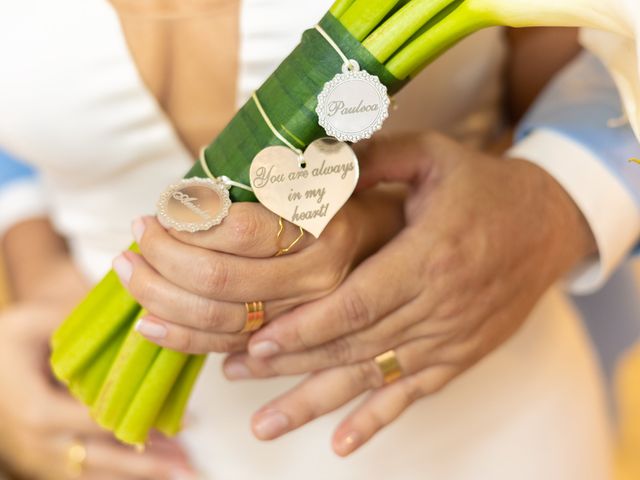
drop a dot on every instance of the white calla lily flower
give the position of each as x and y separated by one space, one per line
613 34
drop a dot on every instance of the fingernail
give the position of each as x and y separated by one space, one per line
271 424
348 444
151 329
137 227
124 268
236 371
264 349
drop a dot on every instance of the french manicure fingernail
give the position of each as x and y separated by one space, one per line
151 329
348 443
137 227
124 268
264 349
236 371
271 424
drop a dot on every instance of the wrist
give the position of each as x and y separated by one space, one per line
569 239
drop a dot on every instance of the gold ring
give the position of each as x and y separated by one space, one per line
284 251
76 458
389 366
255 317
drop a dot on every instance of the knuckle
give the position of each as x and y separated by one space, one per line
245 229
206 314
212 277
447 260
339 351
355 310
413 391
367 374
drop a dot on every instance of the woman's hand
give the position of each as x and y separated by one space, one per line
195 285
40 422
485 239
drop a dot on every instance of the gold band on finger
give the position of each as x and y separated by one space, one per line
284 251
255 317
76 458
389 366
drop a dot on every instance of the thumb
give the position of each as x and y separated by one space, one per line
404 158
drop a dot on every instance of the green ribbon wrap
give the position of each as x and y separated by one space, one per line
289 97
130 384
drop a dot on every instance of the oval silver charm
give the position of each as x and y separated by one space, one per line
354 105
193 205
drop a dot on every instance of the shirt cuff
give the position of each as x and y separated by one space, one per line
19 201
608 207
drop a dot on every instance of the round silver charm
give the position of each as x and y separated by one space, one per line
193 205
354 105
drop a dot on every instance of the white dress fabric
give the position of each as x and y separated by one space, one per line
72 104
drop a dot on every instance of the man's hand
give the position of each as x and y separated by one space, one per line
486 237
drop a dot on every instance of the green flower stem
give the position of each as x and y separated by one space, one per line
340 6
150 397
90 338
87 385
124 379
365 15
460 23
392 35
101 293
169 421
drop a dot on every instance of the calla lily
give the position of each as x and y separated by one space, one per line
613 34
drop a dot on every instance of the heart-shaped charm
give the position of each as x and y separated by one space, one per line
310 192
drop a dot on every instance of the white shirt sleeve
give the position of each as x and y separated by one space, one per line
607 205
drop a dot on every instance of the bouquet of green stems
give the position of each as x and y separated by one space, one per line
133 386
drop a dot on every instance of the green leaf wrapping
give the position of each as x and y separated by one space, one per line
289 97
141 374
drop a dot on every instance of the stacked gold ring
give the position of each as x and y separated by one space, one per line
255 317
389 366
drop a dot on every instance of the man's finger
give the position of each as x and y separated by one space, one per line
384 406
357 347
411 160
359 303
318 395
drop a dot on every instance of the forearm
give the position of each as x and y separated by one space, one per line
569 134
536 55
33 253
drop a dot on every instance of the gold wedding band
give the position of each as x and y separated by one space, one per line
284 251
76 458
389 366
255 317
